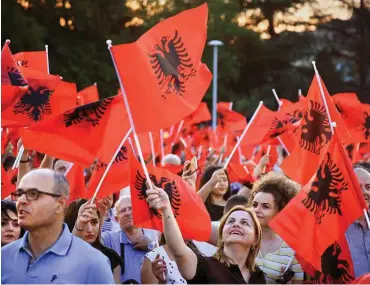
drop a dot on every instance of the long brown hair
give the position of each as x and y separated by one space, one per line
251 259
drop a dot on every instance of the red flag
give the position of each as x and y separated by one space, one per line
239 173
189 209
168 59
33 59
230 120
40 101
13 84
360 132
313 136
201 114
336 264
79 134
118 176
320 214
88 95
225 105
6 186
76 180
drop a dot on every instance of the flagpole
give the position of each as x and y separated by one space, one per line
47 58
109 43
152 147
110 164
68 169
132 146
18 158
243 134
178 131
231 106
323 96
267 153
162 146
280 104
240 153
277 99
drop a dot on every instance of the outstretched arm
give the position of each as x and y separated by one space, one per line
185 258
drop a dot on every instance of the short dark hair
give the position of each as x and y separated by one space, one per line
207 175
282 188
235 200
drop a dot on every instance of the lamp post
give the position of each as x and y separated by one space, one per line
215 45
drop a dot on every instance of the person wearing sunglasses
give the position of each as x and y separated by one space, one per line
48 252
358 233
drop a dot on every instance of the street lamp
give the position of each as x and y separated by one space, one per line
215 45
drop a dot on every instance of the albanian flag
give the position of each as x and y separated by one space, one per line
321 213
239 173
39 101
162 73
230 120
188 208
336 265
88 95
83 133
361 132
13 83
33 59
313 135
117 178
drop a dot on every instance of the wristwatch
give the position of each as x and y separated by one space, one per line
151 246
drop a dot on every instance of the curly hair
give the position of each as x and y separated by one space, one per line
282 188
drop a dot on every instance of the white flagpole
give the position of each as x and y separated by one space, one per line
278 137
110 164
152 147
243 134
68 169
171 129
183 142
109 43
231 106
267 152
200 151
18 158
162 146
47 57
132 146
178 132
323 97
277 98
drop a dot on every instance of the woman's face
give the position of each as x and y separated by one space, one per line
265 208
239 228
10 230
91 231
221 186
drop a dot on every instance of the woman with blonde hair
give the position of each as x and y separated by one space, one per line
234 262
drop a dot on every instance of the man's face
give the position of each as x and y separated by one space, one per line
124 214
42 212
363 177
61 166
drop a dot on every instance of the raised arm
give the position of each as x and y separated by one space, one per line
207 188
185 258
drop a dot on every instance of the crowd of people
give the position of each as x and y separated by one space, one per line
46 238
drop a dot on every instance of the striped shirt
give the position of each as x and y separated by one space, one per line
273 264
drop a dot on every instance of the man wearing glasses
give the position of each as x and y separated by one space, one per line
48 252
358 234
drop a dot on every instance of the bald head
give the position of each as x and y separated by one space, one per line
363 175
45 180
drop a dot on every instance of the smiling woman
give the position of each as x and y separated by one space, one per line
276 259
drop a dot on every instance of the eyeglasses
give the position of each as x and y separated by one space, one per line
31 194
286 277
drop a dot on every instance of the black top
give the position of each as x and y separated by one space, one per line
112 255
212 271
216 212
